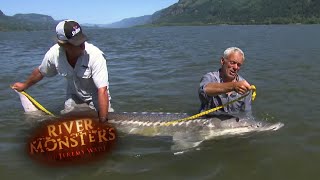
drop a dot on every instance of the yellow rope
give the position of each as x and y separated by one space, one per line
38 105
253 88
254 94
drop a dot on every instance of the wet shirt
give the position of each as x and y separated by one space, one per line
89 74
209 102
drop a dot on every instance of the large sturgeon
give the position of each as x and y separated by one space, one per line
185 134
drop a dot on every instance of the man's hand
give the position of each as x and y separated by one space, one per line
242 87
19 86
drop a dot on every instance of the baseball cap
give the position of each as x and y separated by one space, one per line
70 31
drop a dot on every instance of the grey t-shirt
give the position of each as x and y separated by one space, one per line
209 102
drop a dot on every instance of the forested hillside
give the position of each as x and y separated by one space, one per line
204 12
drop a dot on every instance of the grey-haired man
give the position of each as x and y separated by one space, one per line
224 85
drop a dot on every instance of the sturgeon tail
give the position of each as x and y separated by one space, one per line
27 105
30 105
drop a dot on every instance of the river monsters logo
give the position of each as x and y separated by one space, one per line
69 141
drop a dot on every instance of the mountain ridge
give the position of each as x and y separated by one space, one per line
240 12
207 12
26 22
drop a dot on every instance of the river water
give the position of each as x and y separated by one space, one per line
158 70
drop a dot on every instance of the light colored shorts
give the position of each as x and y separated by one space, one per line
75 105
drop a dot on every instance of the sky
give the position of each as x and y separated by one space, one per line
86 11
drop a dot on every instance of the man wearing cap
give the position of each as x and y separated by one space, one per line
82 64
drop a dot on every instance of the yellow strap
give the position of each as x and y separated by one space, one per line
38 105
253 88
254 94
